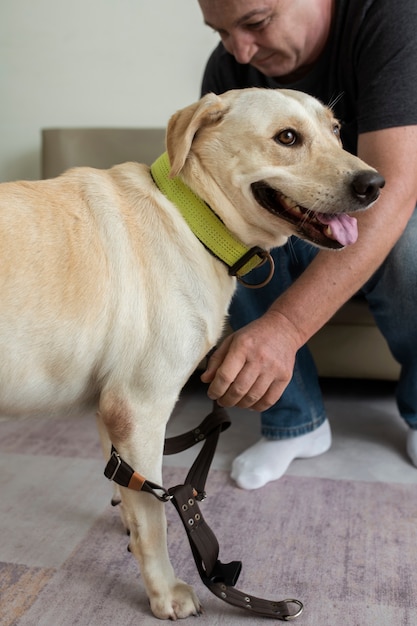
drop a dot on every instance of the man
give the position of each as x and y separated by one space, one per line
360 56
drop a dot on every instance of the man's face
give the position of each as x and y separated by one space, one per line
277 37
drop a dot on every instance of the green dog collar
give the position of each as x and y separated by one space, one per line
205 224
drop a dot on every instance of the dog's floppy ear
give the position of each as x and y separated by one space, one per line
183 126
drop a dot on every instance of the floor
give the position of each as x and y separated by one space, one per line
41 528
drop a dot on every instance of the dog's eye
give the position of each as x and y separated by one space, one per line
336 130
287 137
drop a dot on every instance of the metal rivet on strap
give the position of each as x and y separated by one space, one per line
191 502
197 517
223 595
184 507
247 599
191 522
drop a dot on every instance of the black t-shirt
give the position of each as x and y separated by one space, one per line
368 68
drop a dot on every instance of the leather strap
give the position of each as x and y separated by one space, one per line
219 577
118 470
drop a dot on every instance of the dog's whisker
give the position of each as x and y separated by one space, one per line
292 250
335 100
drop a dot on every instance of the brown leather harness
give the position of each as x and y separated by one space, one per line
219 577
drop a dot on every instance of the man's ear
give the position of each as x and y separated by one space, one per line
183 126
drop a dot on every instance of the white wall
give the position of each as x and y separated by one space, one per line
93 63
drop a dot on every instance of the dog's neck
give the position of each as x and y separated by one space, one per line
205 224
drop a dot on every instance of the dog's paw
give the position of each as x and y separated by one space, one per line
179 603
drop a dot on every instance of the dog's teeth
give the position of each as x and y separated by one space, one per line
290 203
296 209
328 231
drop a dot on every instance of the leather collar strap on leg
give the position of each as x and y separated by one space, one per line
219 577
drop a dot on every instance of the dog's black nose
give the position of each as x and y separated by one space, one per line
366 185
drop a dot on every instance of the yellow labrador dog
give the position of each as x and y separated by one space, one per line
109 298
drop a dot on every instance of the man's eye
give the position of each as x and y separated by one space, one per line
258 25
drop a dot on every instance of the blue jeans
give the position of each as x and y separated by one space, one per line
392 297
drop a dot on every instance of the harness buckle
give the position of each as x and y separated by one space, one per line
114 455
165 497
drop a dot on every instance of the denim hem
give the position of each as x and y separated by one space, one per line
275 433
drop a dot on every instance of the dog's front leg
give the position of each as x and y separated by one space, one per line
140 443
170 598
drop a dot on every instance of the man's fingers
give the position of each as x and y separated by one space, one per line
223 387
266 400
214 362
251 391
239 384
222 371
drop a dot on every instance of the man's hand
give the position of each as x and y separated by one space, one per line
253 366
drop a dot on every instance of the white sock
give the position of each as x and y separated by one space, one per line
412 445
269 460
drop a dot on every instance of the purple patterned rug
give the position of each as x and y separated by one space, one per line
348 550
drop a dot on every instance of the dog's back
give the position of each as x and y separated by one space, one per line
96 277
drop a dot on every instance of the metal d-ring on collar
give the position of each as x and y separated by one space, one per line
256 251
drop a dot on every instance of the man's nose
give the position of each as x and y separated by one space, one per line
242 46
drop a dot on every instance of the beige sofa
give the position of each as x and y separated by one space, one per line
349 346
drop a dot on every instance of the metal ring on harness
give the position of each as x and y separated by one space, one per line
300 610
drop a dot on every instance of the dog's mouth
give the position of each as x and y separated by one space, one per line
328 230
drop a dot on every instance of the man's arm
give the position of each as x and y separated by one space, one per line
253 366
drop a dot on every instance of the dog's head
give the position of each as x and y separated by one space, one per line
270 163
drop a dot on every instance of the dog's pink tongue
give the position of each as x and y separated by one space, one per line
343 228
